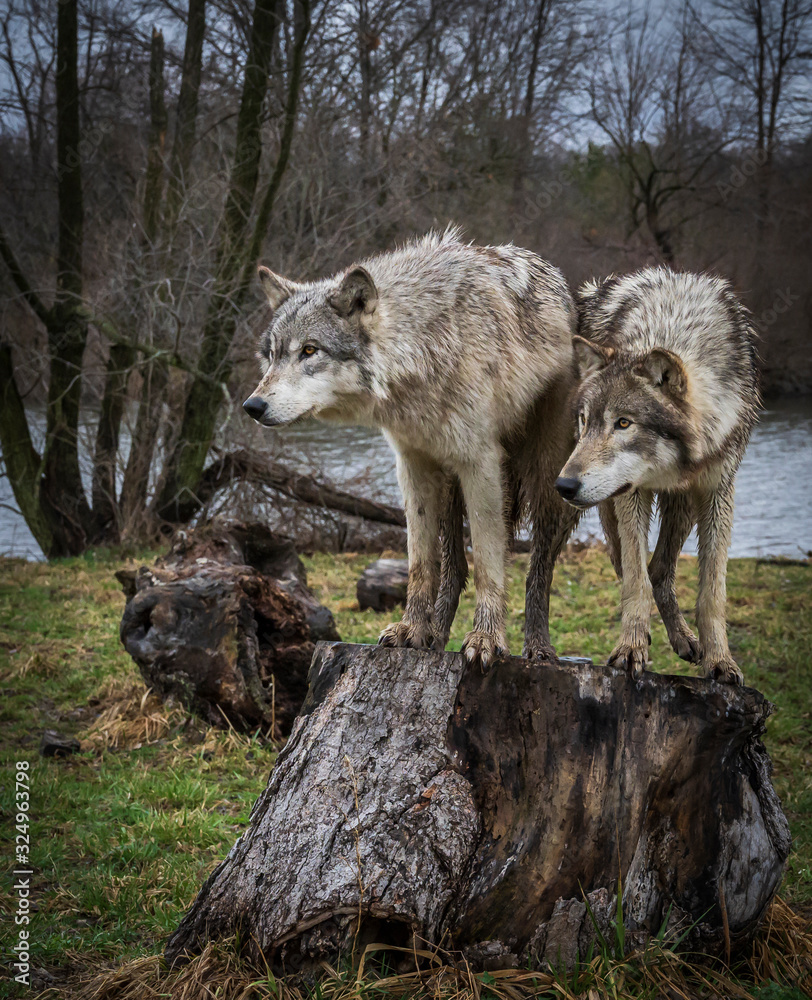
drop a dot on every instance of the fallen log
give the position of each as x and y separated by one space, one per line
501 814
226 625
249 467
383 584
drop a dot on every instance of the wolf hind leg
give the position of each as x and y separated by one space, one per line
421 483
676 521
714 530
453 561
482 488
553 522
633 511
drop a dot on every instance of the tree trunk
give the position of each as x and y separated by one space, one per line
153 185
62 484
49 488
103 491
484 812
237 255
525 123
186 115
185 465
23 463
134 490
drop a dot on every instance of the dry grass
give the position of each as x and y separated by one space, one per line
129 717
781 954
783 950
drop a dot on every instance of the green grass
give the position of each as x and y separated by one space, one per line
124 832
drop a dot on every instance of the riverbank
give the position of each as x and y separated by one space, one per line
773 512
124 832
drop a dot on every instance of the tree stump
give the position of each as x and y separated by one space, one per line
484 811
383 584
226 625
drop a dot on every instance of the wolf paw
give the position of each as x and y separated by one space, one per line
724 670
484 648
412 635
686 646
633 659
537 649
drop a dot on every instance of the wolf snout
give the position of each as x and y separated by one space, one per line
567 488
255 407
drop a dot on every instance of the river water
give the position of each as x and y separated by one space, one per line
773 488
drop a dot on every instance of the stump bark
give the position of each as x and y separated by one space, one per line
415 797
226 625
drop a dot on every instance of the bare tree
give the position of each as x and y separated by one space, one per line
48 486
762 50
653 100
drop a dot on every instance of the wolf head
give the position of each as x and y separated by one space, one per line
634 428
315 353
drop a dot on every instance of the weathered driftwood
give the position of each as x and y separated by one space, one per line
226 625
414 797
383 584
254 468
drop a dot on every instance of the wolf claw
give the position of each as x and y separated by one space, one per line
484 648
543 652
686 646
411 635
726 671
633 659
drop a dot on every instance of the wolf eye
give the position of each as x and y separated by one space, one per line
308 350
623 423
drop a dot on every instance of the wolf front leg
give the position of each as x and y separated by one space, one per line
421 483
553 521
483 492
714 529
608 518
676 521
633 512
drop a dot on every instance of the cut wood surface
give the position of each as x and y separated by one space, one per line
415 797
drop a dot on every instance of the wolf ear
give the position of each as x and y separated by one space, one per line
664 369
275 287
591 357
357 293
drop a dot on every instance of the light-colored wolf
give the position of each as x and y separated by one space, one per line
668 397
462 355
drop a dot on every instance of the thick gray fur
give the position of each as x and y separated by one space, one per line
462 355
667 400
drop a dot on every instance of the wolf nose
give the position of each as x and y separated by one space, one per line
567 487
255 407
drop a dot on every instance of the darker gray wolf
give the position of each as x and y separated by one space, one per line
666 403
